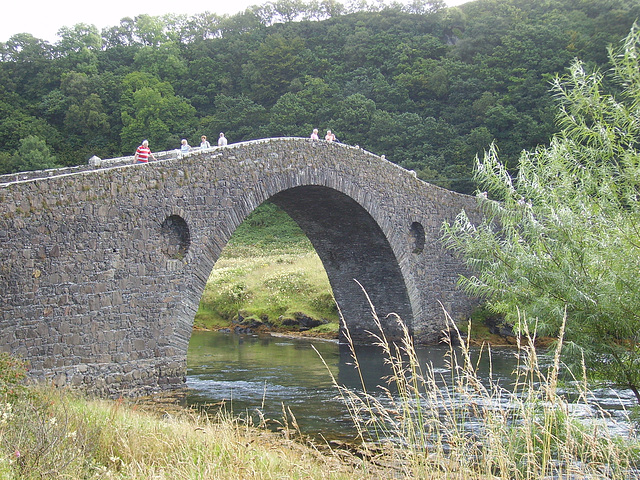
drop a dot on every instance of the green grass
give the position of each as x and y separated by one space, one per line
269 272
56 434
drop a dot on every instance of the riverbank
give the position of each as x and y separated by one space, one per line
322 334
484 433
61 435
269 277
481 335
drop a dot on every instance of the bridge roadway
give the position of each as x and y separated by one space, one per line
102 267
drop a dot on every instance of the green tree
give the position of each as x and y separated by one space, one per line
120 35
161 60
88 119
481 70
78 37
352 119
151 110
562 237
422 7
296 114
33 154
26 63
6 163
16 124
290 117
275 63
150 30
239 117
200 26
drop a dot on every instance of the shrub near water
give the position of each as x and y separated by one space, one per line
562 234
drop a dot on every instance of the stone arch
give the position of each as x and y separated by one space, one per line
333 220
355 252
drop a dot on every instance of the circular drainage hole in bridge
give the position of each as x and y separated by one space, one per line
177 238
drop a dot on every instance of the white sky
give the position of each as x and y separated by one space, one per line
43 18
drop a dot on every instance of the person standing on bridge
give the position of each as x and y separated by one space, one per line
204 143
143 152
222 140
314 134
184 146
330 137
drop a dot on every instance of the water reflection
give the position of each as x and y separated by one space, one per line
264 373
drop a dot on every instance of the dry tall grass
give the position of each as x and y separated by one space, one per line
59 435
428 425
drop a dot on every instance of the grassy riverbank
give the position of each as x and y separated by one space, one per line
55 434
464 431
269 274
49 433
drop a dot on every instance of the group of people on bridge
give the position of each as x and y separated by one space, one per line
143 152
329 137
204 143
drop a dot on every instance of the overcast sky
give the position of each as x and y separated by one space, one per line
43 18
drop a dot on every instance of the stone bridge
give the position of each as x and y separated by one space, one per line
102 267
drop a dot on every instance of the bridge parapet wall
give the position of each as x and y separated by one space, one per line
102 270
93 163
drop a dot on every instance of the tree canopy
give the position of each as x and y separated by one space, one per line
427 86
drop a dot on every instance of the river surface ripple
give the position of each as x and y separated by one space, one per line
262 376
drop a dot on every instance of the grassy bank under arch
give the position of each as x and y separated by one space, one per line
268 274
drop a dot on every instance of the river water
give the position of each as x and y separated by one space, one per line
259 376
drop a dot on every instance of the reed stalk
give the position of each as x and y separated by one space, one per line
426 424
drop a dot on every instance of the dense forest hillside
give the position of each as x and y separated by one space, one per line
427 86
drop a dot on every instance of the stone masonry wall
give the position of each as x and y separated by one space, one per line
102 269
